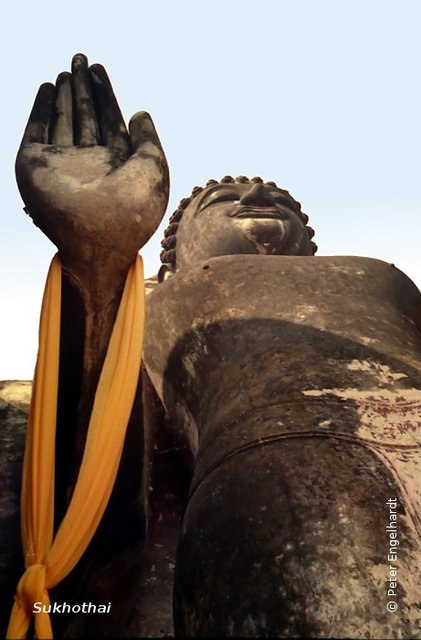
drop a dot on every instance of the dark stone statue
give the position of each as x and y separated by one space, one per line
276 460
294 382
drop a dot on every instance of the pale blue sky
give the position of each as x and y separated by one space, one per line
322 96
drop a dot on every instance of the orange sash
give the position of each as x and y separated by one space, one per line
49 560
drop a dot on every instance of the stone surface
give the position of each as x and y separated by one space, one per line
303 406
14 406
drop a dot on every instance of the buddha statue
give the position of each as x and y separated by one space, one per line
294 383
281 391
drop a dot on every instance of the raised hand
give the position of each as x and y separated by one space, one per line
95 189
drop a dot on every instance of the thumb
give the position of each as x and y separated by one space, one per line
143 136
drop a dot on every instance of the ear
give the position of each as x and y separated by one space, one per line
165 272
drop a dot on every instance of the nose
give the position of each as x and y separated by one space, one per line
258 194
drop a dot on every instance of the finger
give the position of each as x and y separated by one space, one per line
86 126
40 119
62 130
144 137
111 123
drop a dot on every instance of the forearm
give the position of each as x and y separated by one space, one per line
87 320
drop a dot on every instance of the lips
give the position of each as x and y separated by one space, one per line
258 212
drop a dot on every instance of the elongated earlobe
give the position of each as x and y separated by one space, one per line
165 272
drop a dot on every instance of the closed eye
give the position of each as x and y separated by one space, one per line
217 197
220 198
282 199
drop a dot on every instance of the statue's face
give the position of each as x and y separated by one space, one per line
232 218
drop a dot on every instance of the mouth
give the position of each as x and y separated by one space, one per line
259 212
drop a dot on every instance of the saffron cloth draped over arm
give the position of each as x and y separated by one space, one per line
49 560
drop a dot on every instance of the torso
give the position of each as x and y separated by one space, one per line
321 355
246 334
238 310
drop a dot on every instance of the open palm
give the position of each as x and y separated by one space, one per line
94 188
